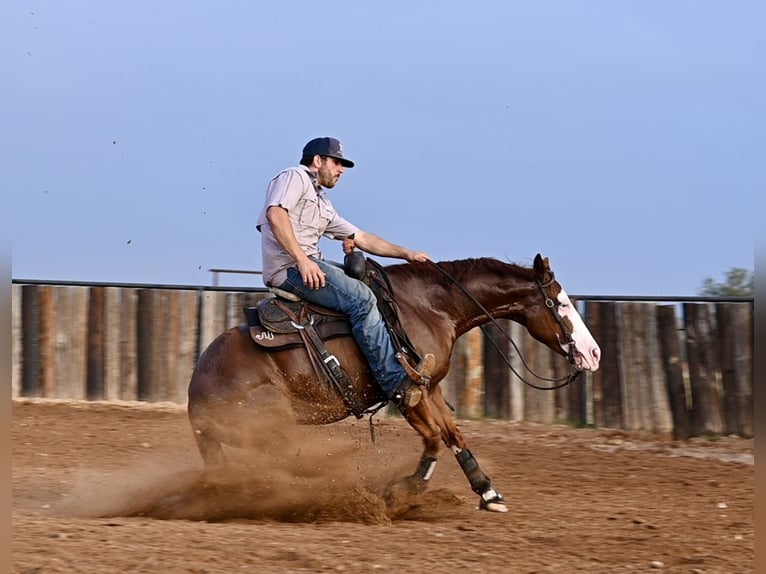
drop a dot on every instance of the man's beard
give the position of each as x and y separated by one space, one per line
326 178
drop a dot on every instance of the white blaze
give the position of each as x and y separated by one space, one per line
587 351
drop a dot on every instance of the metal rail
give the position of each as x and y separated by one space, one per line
215 287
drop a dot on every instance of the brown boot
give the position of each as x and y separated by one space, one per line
409 392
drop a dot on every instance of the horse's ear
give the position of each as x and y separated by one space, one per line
542 268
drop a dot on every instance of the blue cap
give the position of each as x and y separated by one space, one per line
329 147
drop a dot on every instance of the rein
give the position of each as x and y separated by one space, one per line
550 304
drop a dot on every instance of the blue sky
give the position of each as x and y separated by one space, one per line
624 140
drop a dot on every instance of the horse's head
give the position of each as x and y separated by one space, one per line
557 323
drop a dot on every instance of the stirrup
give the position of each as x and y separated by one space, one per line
422 373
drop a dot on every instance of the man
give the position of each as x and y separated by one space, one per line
296 214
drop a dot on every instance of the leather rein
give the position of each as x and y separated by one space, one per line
553 307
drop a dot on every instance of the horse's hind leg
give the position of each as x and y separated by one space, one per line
203 428
421 419
480 482
257 419
210 449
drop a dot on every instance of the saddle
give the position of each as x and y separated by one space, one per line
272 326
285 321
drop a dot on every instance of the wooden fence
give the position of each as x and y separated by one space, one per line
684 369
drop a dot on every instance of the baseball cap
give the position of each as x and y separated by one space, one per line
326 146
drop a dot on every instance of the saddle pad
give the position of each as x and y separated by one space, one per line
273 341
262 337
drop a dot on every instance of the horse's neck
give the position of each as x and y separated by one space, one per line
507 303
502 289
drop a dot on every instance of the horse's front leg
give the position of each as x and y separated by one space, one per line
489 498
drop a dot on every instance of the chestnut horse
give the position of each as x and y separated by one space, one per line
236 382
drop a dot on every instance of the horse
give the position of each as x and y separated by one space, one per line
236 382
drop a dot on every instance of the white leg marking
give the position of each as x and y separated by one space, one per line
430 471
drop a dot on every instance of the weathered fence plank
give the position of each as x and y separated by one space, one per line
516 333
635 369
607 381
569 400
234 304
531 403
172 336
670 350
188 325
497 388
471 400
660 416
152 376
452 385
633 381
539 405
31 367
707 404
70 336
96 353
744 342
595 317
112 327
214 316
128 345
16 340
464 385
120 377
146 382
735 334
47 341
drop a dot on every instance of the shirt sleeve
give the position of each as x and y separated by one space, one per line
340 228
284 190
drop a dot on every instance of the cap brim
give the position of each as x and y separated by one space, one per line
343 161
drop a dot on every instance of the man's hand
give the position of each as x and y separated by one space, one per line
313 277
417 256
348 244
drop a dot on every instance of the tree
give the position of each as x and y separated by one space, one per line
739 283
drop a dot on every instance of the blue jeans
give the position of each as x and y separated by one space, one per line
352 297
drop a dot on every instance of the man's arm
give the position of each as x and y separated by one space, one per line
375 245
282 227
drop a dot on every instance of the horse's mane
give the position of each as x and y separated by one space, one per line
460 269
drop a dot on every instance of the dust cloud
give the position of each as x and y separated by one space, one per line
300 475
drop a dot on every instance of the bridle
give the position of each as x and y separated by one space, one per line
552 305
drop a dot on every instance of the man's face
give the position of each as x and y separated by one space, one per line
329 172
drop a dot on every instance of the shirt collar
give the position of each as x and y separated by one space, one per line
314 181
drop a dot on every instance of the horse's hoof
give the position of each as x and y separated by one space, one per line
492 501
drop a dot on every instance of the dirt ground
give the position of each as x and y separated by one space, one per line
103 487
